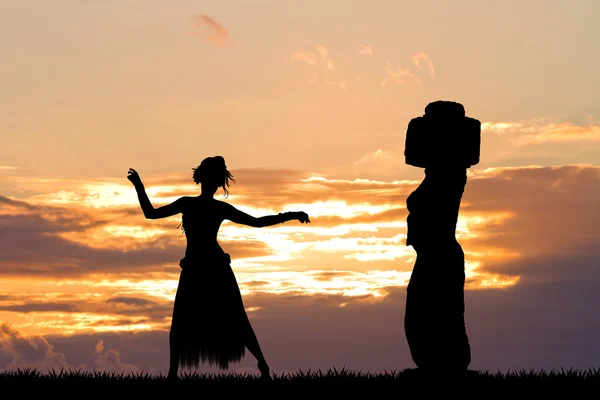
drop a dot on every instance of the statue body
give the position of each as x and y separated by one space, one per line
445 143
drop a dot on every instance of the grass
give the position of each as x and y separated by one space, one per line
338 381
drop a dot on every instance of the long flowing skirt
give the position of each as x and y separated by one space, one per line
209 319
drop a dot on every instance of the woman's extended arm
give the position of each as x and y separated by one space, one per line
240 217
149 211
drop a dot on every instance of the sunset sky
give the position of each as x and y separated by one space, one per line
308 102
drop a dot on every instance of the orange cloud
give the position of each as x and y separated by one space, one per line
398 75
318 59
211 30
422 58
366 50
542 131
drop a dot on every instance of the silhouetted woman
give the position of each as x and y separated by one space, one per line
209 323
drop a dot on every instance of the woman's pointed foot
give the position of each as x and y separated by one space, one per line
263 367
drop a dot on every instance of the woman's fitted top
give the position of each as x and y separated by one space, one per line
201 220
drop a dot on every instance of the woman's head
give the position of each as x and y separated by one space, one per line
212 173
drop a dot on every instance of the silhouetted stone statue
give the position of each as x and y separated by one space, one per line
445 143
209 322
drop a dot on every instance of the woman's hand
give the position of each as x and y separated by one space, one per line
134 177
302 217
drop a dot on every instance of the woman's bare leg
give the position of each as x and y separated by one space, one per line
254 348
174 355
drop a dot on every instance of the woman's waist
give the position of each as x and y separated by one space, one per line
203 248
198 259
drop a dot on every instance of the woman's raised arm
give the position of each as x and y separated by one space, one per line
149 211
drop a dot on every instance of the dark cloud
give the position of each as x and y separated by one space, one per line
17 351
15 203
139 310
581 263
156 314
38 307
255 284
119 322
34 246
131 301
329 275
110 361
102 313
31 252
553 226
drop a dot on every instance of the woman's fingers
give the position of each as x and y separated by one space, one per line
132 175
304 217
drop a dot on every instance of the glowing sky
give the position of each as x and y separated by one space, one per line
308 102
